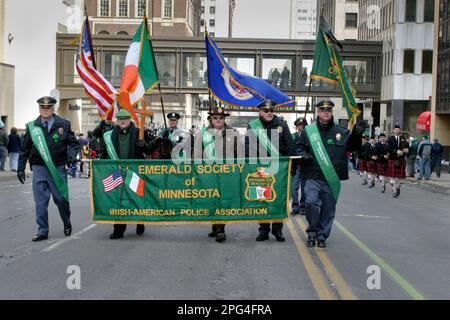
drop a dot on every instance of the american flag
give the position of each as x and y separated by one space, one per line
112 181
95 84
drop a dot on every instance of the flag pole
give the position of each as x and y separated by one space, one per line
209 90
156 69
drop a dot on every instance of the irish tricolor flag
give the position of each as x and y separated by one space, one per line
135 183
260 192
139 75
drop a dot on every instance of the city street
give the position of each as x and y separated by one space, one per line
406 238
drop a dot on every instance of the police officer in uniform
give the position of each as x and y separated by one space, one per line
269 122
127 145
297 181
218 134
49 176
320 202
169 138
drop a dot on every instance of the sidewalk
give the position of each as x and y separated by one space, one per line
441 184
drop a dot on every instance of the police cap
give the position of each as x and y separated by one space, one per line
46 102
173 116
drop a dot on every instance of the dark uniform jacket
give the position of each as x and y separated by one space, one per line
61 141
227 141
393 147
369 152
285 146
340 141
134 151
380 151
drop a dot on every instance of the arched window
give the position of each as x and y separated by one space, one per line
104 32
122 33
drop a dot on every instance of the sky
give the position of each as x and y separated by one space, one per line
261 19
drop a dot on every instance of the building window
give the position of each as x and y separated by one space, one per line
104 8
408 61
429 11
123 8
351 20
202 9
141 9
427 61
202 22
212 23
168 8
212 34
410 13
212 10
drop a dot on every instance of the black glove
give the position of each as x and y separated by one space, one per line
102 124
165 134
360 127
21 176
140 143
306 159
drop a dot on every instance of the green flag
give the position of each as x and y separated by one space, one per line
328 67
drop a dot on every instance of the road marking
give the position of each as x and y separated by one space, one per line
321 287
72 237
384 265
344 290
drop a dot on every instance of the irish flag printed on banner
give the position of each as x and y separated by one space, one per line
135 183
258 192
139 75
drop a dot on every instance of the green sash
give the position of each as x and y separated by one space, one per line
208 144
41 145
323 159
110 146
261 133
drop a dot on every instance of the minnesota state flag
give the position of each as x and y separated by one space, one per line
139 75
236 89
328 67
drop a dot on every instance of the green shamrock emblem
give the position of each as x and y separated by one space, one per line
56 137
330 142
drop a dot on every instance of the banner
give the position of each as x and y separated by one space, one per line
159 191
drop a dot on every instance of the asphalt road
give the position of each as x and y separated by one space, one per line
406 239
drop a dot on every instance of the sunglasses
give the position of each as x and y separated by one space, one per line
218 118
267 110
326 109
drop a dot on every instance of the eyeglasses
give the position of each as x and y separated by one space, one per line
326 109
218 118
267 110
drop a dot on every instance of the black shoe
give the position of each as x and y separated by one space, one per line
397 192
295 212
321 243
212 234
383 188
310 242
140 228
221 237
262 236
116 236
39 237
279 236
68 230
364 182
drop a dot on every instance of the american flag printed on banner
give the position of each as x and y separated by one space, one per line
96 86
112 181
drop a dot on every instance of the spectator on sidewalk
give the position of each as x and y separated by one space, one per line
3 146
436 157
14 149
411 157
424 154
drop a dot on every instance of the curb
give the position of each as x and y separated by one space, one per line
429 185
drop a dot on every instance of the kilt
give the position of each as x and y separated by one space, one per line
396 171
362 165
371 166
382 168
